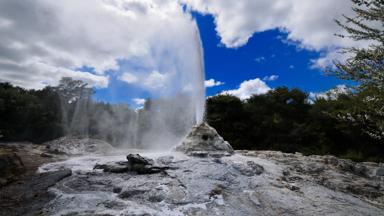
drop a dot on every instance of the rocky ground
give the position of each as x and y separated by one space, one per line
23 191
246 183
199 180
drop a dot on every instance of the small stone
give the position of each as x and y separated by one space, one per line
257 169
380 171
46 155
137 159
293 187
165 160
250 169
314 168
116 190
286 172
130 193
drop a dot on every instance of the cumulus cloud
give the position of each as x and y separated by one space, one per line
156 80
212 83
128 78
43 40
249 88
271 78
139 101
309 24
331 94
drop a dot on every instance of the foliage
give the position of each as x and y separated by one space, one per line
286 120
365 65
29 115
67 109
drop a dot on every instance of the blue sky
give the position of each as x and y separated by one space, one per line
265 54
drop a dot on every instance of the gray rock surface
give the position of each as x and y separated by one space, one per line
245 183
204 141
76 146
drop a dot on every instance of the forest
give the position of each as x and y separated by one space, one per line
287 120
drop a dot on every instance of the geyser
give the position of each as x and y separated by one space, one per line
172 77
180 104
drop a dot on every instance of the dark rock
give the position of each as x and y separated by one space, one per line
11 165
286 172
136 164
46 155
293 188
136 159
200 154
116 167
380 171
33 192
130 193
116 190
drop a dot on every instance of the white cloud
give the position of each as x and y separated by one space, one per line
260 59
212 83
331 94
43 40
308 23
139 101
249 88
128 78
271 78
156 80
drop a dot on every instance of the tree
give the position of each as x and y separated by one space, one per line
227 115
75 97
365 65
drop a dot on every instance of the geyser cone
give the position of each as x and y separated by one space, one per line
204 140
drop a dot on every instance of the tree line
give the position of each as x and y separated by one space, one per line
288 120
67 109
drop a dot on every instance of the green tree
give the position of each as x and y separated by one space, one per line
227 115
365 65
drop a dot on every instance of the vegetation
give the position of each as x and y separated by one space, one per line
287 120
365 65
68 109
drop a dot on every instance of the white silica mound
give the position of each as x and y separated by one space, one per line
204 141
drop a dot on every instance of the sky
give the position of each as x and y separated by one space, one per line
129 50
265 56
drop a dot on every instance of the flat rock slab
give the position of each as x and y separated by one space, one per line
245 183
28 197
